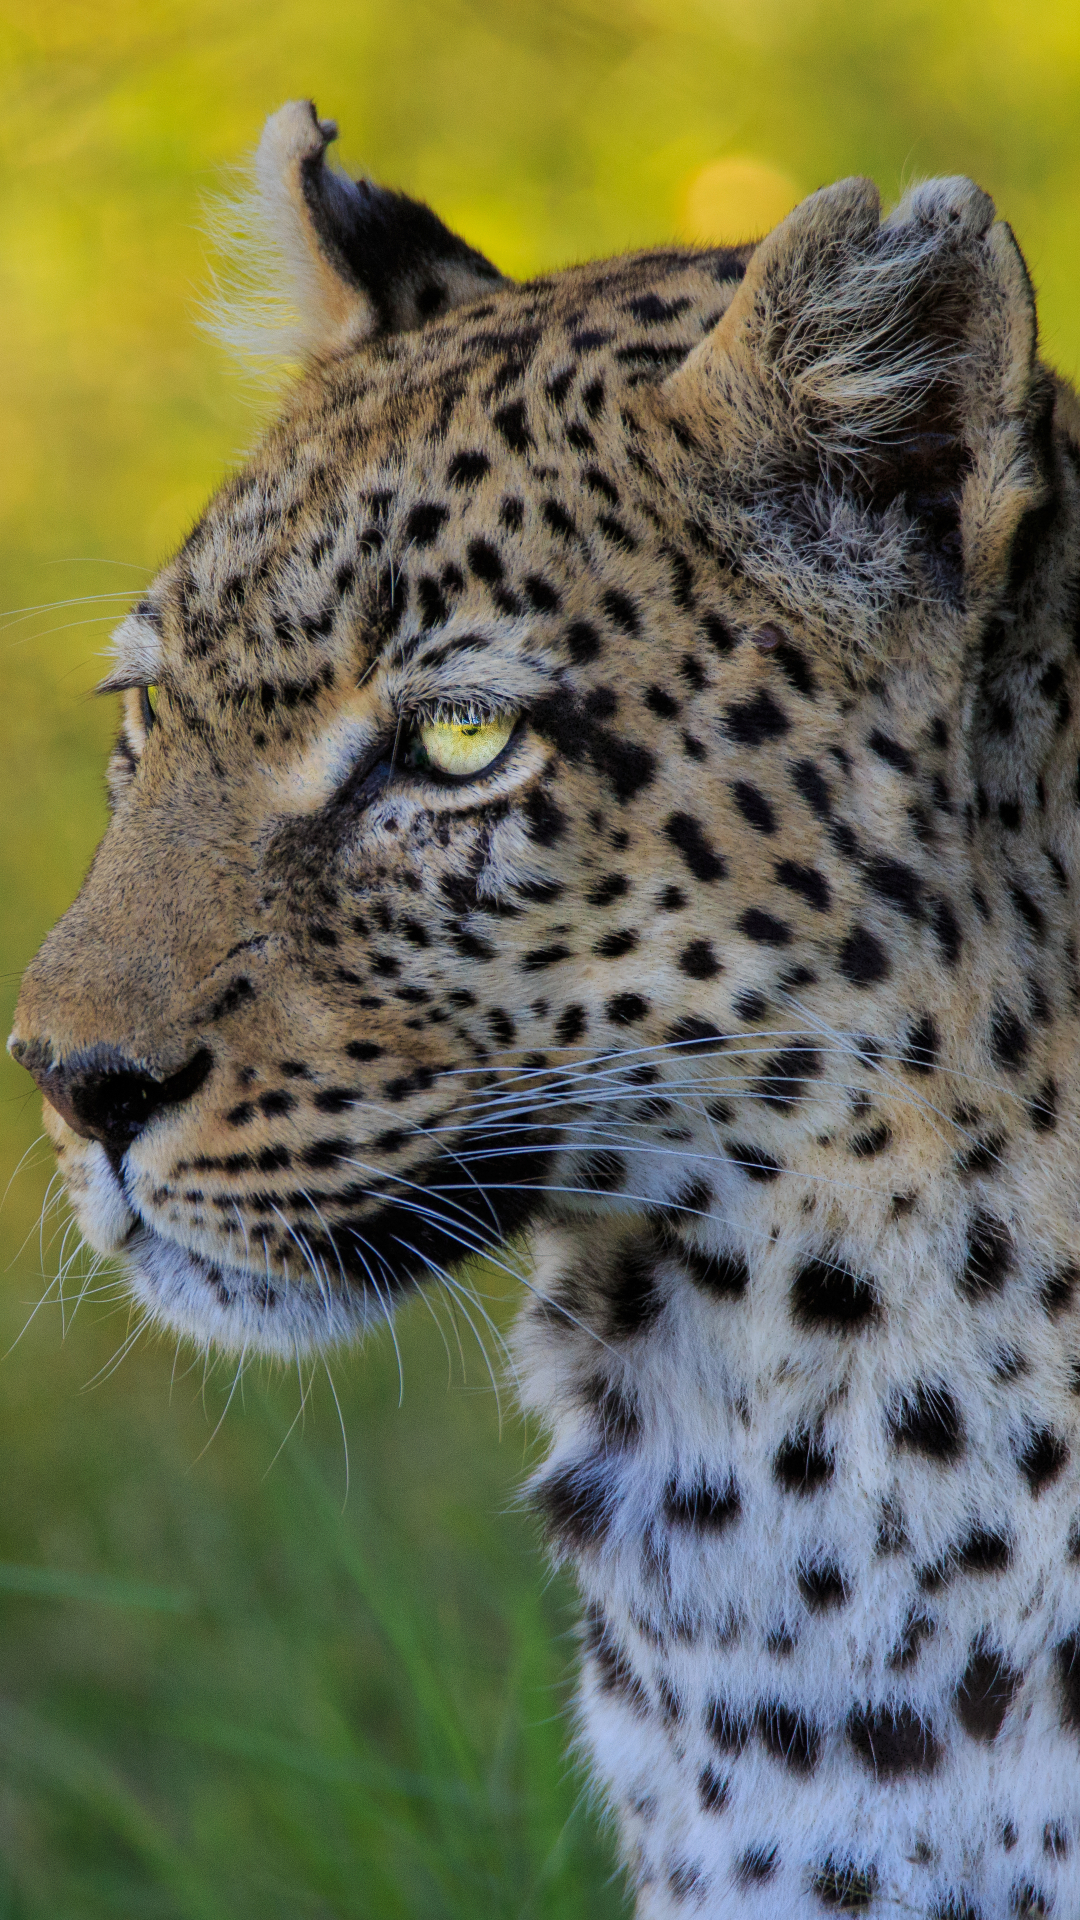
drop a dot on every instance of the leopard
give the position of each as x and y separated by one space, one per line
599 790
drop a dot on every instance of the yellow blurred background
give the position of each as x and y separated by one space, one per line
219 1694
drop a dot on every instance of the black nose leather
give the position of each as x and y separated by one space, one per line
107 1099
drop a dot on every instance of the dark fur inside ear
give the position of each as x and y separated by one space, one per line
360 260
396 250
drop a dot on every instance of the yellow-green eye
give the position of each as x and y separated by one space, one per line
459 740
149 705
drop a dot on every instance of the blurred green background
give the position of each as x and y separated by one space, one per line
225 1689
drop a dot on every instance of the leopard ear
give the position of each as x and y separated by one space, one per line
360 260
859 429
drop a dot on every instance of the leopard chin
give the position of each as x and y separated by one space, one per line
238 1310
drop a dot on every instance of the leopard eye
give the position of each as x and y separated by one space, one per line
458 741
149 706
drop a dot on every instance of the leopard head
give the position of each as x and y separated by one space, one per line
559 747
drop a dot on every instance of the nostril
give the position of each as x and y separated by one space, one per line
111 1101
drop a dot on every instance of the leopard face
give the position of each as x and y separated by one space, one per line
704 547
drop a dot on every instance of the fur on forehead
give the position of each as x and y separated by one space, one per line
323 262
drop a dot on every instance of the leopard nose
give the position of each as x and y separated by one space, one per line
105 1097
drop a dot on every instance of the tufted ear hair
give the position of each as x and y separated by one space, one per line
858 430
360 259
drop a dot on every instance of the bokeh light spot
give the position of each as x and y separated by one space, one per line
737 198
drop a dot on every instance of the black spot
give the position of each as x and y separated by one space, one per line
466 468
921 1048
989 1257
764 928
1009 814
1056 1840
754 807
621 610
725 1276
754 1161
688 836
863 959
276 1102
545 821
823 1587
795 668
540 957
616 1414
686 1881
628 765
423 523
981 1552
614 1670
613 887
896 883
865 1145
583 642
1009 1040
704 1508
810 783
894 1742
755 1866
713 1790
830 1294
982 1156
783 1078
984 1552
613 946
664 705
575 1504
928 1421
484 561
803 1463
593 397
570 1025
918 1627
807 882
624 1008
1043 1108
512 422
947 930
699 961
602 1173
985 1693
789 1736
728 1730
891 752
540 594
1044 1455
1059 1289
1067 1660
600 483
634 1300
1029 910
718 634
752 722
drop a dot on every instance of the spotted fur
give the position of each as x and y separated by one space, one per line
744 982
